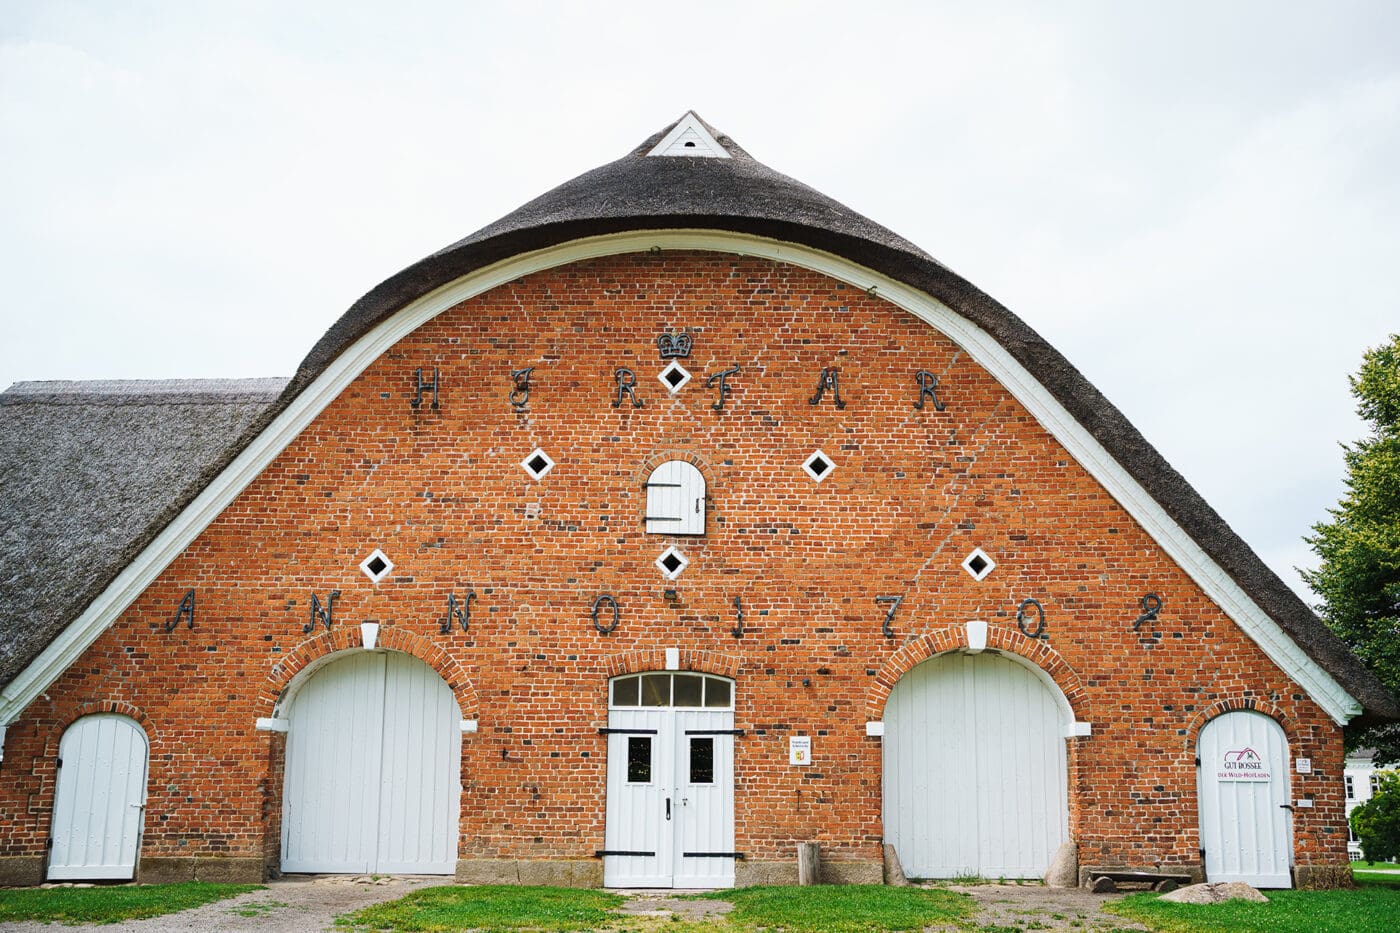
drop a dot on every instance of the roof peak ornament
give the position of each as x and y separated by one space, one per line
690 138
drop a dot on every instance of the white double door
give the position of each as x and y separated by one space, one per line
1243 793
670 816
99 801
373 770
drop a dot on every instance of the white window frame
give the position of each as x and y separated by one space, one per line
986 569
807 465
376 577
674 367
672 551
548 464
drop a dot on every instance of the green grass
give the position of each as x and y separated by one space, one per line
488 908
1370 909
1386 874
855 908
111 904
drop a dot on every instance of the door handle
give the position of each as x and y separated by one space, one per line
668 808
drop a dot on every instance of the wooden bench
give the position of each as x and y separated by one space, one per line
1107 878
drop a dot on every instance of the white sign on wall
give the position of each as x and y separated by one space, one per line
1242 764
800 750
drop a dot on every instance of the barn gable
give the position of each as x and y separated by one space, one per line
427 369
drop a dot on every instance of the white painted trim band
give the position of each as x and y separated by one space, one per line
978 344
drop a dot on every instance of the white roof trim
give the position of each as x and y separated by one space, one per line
978 344
690 138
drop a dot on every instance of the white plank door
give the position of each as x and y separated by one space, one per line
420 784
974 769
704 799
1243 795
640 811
373 769
100 799
676 499
330 799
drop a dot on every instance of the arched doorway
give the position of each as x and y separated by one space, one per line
974 768
1243 794
100 799
373 769
670 816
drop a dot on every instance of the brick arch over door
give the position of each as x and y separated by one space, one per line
654 659
999 638
1236 704
306 657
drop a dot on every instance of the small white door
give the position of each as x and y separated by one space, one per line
974 769
373 769
670 806
1243 794
100 799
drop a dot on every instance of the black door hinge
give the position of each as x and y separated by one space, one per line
1203 855
60 762
1198 761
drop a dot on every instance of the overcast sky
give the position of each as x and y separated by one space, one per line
1197 203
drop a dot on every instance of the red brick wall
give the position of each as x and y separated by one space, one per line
442 493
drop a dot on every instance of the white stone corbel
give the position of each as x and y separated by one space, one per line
875 727
468 725
1079 730
976 635
271 724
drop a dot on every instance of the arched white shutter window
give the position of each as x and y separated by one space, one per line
676 499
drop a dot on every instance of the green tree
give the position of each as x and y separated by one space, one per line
1377 821
1359 576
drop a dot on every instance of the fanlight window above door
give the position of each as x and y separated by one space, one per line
662 689
676 499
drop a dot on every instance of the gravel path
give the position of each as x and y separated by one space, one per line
1037 907
300 904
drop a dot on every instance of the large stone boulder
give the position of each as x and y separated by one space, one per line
1215 893
1064 867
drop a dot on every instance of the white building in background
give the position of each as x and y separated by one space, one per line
1362 778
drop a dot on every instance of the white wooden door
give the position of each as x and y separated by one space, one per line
670 803
373 769
100 799
1243 795
637 830
704 799
974 769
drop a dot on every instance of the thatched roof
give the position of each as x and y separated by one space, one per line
90 472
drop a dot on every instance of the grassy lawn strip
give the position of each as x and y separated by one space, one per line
111 904
488 908
854 908
1371 909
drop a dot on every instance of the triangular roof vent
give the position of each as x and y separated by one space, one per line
689 137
